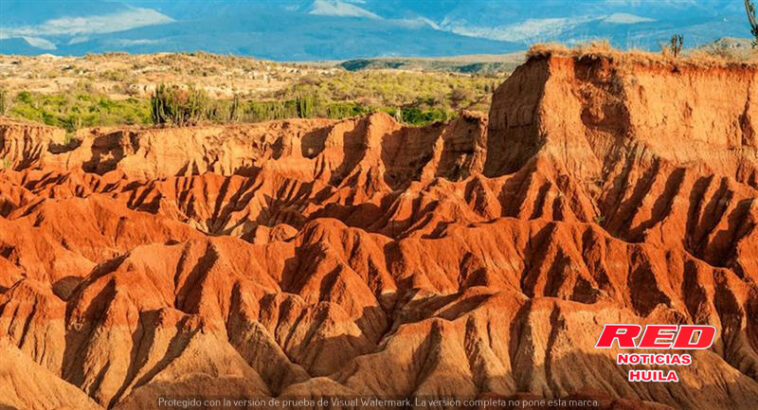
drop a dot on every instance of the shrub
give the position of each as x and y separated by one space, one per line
82 110
459 95
414 115
345 109
256 111
24 97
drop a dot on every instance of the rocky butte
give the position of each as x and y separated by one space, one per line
318 258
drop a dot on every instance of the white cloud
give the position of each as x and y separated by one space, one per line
137 42
78 40
39 43
77 26
626 18
417 22
528 30
340 9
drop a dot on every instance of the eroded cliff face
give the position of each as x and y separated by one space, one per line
665 151
362 257
592 112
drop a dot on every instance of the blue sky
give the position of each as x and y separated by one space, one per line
339 29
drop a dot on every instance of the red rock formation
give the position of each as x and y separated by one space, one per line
312 258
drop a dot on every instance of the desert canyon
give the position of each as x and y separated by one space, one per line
360 257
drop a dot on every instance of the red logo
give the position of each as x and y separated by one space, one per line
684 337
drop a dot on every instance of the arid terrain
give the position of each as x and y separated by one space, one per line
312 258
116 89
121 75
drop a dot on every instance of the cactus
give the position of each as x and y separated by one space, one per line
304 106
677 41
158 105
177 106
234 110
753 20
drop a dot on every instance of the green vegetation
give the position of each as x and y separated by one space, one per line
193 106
182 107
82 109
178 106
446 91
412 97
234 109
119 88
299 107
3 97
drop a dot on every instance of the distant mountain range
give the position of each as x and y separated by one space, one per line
300 30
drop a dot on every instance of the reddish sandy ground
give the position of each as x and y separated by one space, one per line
312 258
